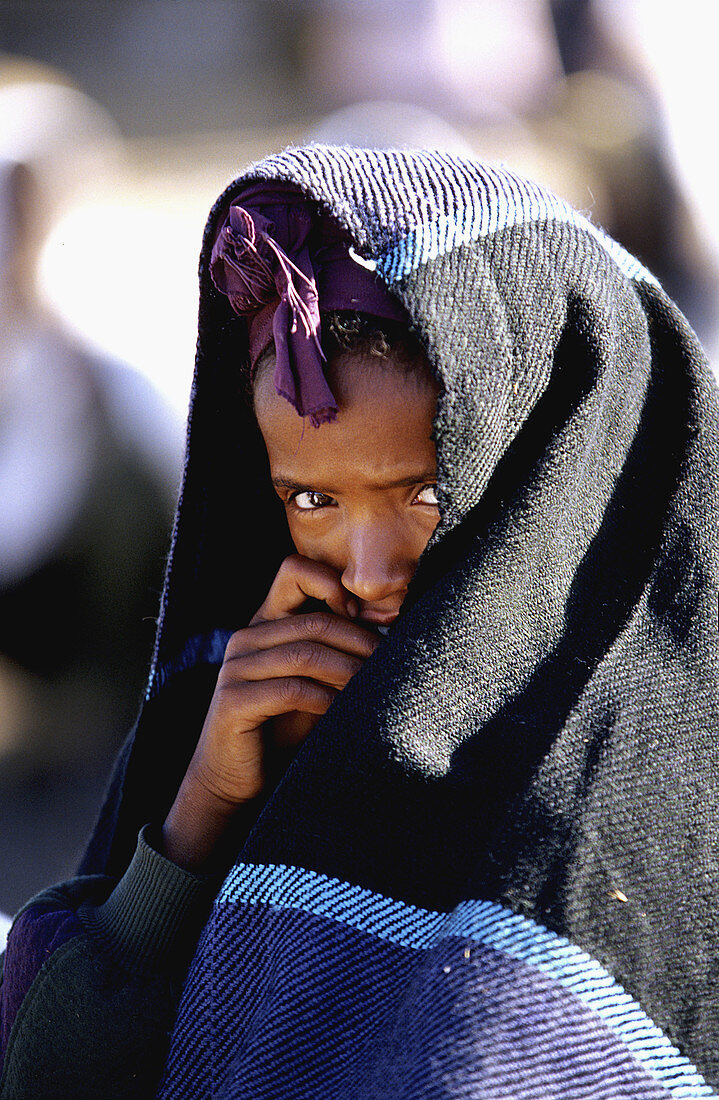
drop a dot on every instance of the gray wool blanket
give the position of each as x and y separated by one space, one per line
492 870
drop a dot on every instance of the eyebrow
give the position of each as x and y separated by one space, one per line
422 477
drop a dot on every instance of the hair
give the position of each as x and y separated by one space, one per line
346 331
349 332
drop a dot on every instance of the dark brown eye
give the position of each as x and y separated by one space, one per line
309 501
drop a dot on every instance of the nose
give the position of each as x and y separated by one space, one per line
378 563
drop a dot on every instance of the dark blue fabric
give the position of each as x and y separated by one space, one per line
291 1005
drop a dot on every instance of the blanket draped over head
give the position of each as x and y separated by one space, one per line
492 869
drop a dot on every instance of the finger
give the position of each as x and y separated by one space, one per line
299 579
288 731
263 699
316 626
295 658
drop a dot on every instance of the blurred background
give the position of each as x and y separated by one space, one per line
120 122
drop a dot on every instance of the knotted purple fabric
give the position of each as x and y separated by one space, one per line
268 258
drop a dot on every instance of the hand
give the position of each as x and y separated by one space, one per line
278 676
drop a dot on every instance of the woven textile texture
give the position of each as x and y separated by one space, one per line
492 869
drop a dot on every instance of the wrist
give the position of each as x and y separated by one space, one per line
195 826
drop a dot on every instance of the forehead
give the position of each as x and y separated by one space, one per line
383 428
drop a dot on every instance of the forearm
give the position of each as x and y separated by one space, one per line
196 826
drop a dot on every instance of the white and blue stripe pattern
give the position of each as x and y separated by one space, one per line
490 925
482 199
503 202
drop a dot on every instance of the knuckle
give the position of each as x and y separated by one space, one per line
291 691
225 678
319 624
300 654
235 646
289 565
228 690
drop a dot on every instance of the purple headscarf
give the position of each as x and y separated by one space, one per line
279 260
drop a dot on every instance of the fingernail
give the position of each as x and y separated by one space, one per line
352 609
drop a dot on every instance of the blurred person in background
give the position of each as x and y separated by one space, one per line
85 508
609 108
555 87
423 797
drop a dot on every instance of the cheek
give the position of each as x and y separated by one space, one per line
317 539
400 538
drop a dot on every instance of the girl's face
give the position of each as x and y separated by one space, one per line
359 492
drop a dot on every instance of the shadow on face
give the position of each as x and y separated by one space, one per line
359 492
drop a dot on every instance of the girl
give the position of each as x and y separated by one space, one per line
439 818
